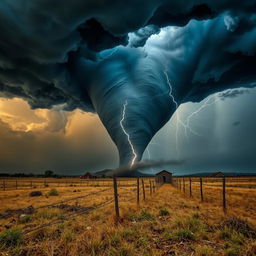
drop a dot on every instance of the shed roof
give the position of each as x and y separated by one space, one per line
162 172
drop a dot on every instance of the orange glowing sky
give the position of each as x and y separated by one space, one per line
41 137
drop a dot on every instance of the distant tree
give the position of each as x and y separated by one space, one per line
4 175
48 173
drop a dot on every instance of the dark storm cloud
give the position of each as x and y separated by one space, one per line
139 37
50 54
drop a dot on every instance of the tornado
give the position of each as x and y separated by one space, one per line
131 107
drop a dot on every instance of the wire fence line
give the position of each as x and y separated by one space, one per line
218 190
68 216
30 183
121 191
72 199
137 190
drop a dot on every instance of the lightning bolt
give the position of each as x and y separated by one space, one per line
127 134
206 104
178 120
186 125
176 112
170 91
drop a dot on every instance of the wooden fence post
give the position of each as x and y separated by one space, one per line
116 199
138 191
31 184
201 189
150 186
184 188
224 195
4 185
143 190
190 187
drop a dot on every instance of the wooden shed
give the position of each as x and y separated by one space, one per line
163 177
88 175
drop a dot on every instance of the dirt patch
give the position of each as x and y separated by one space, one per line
72 208
35 193
9 213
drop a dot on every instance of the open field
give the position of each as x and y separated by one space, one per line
79 219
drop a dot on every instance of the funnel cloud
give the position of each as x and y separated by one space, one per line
144 57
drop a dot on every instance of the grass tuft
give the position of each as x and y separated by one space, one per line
180 235
53 192
226 233
164 212
183 235
233 251
145 215
115 240
11 238
204 251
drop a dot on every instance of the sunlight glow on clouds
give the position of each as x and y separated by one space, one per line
67 142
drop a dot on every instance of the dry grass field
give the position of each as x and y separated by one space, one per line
75 219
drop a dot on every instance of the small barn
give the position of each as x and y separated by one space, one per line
163 177
88 175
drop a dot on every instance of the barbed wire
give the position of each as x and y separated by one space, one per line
68 216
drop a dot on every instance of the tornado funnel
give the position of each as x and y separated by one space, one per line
132 110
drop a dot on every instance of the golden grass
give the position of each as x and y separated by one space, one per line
241 201
168 223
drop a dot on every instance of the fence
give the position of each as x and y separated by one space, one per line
117 190
141 189
123 190
24 183
199 187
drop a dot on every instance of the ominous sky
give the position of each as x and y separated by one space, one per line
222 138
88 85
